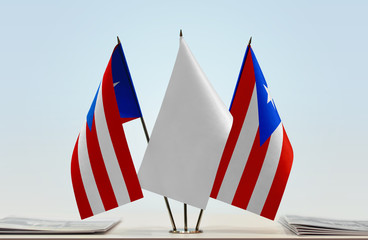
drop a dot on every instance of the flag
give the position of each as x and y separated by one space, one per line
102 170
188 137
257 158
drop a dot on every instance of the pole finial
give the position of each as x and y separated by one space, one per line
181 33
250 41
118 39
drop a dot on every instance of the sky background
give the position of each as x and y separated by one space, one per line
313 55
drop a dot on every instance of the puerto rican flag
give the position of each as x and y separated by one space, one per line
102 170
257 158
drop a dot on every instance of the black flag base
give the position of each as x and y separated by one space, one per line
189 231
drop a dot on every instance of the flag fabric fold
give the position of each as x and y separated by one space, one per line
258 156
188 137
102 170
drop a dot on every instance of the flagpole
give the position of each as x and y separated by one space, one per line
147 138
185 218
199 220
185 205
165 198
201 212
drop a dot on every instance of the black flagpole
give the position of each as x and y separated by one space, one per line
185 218
185 205
165 198
201 212
199 220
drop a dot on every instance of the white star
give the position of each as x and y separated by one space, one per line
269 98
116 83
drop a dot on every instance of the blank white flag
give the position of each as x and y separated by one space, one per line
188 138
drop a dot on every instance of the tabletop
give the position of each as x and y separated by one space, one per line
214 226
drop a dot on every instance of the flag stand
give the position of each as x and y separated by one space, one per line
186 230
174 229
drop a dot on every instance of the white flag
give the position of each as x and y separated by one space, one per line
188 138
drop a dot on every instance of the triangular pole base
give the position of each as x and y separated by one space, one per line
182 231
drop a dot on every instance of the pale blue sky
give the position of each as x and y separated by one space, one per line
313 55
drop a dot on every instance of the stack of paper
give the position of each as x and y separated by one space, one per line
43 226
322 226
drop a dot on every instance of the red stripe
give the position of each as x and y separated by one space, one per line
99 169
250 174
79 191
279 182
114 123
124 120
239 109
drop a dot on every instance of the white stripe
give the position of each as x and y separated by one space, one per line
87 175
241 152
108 153
268 172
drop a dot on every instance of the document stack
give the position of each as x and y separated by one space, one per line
321 226
11 225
